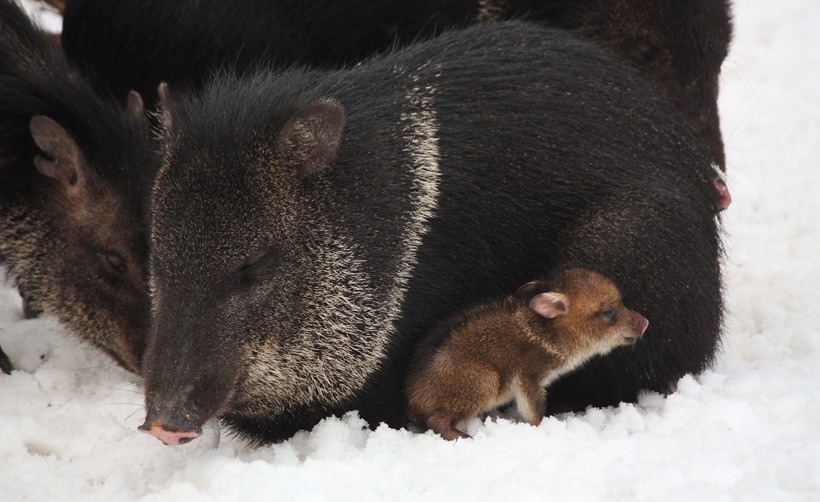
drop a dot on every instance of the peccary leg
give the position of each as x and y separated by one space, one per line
29 311
443 425
5 364
531 401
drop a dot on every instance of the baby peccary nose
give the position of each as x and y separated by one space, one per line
170 433
639 324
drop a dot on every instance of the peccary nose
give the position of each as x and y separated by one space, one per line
639 323
169 433
725 198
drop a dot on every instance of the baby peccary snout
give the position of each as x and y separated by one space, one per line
513 348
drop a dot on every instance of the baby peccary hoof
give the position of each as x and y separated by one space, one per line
5 363
442 424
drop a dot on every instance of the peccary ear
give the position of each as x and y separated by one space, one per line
164 94
550 305
63 160
526 290
135 105
312 136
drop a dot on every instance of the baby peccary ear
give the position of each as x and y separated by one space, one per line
550 305
63 160
312 136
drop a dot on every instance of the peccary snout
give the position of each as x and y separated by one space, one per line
170 432
639 324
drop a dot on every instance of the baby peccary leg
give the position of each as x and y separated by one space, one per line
444 425
531 401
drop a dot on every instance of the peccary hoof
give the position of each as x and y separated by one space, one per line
5 363
170 435
30 312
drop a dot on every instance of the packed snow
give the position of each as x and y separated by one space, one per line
749 429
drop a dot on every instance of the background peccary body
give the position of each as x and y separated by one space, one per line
308 227
510 349
73 172
136 44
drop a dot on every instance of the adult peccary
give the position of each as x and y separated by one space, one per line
74 170
308 227
136 44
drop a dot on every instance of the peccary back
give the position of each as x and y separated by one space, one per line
73 172
309 227
136 44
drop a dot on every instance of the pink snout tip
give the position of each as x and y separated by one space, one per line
639 322
725 198
170 437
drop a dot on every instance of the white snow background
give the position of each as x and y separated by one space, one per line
749 429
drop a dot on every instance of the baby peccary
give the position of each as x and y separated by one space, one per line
513 348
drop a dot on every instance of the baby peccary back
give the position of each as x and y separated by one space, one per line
513 348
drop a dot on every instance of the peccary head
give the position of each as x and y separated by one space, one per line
587 315
681 45
238 266
73 169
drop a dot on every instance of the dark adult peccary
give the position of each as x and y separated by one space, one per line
510 349
73 172
136 44
308 227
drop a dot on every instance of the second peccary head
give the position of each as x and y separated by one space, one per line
73 172
586 312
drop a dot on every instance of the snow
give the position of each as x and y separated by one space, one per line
749 429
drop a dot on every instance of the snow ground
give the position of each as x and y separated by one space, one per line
747 430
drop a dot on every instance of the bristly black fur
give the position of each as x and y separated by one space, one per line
78 257
135 44
36 79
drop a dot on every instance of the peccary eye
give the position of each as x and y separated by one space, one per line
253 260
644 53
647 53
246 271
607 314
114 264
